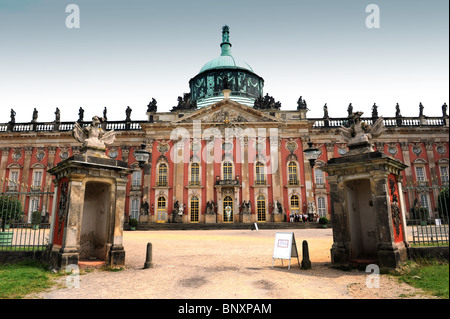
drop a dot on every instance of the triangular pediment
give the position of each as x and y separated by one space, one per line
227 111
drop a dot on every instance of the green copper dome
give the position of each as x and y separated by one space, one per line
226 60
207 86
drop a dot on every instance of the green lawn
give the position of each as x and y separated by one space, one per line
431 276
18 280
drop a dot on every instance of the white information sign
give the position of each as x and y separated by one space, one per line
285 247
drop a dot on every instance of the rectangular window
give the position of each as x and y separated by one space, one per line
420 173
195 174
321 207
162 175
13 185
227 171
37 179
134 208
292 174
260 176
136 179
444 175
319 176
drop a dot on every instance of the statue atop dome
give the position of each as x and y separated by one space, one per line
226 34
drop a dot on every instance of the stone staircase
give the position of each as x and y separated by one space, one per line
211 226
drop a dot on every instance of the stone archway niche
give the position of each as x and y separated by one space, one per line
362 219
95 221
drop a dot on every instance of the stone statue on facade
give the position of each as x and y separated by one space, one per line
128 113
93 136
301 104
444 110
359 134
57 115
246 207
152 107
350 110
398 115
374 112
266 102
80 114
185 103
35 116
311 207
420 109
13 117
325 111
144 208
210 207
276 208
280 208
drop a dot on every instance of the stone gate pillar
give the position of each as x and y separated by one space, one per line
366 211
90 203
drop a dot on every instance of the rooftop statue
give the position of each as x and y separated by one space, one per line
359 135
93 136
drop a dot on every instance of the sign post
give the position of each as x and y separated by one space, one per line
285 248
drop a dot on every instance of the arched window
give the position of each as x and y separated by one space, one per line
261 208
295 205
195 174
161 209
227 171
162 175
292 173
228 209
194 209
260 174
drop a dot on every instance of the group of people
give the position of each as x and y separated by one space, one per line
297 217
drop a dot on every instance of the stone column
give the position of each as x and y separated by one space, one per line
308 176
4 161
245 182
69 250
117 251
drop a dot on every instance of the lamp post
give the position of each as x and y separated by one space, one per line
311 153
142 155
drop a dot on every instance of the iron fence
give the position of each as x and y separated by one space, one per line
428 216
24 216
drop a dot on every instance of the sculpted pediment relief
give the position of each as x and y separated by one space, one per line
227 112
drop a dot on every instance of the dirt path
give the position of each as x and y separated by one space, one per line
223 264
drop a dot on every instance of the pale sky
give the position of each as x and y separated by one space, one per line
127 52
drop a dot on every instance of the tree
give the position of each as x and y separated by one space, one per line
442 206
10 210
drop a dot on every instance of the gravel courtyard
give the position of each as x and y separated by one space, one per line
224 264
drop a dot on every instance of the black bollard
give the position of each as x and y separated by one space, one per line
148 258
306 263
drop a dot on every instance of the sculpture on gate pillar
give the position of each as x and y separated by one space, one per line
359 134
93 137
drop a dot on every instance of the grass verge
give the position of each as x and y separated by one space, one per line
20 279
431 276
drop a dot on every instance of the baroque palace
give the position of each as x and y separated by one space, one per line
226 152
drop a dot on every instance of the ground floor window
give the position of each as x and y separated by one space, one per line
261 208
228 209
161 210
295 206
134 213
321 207
194 209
